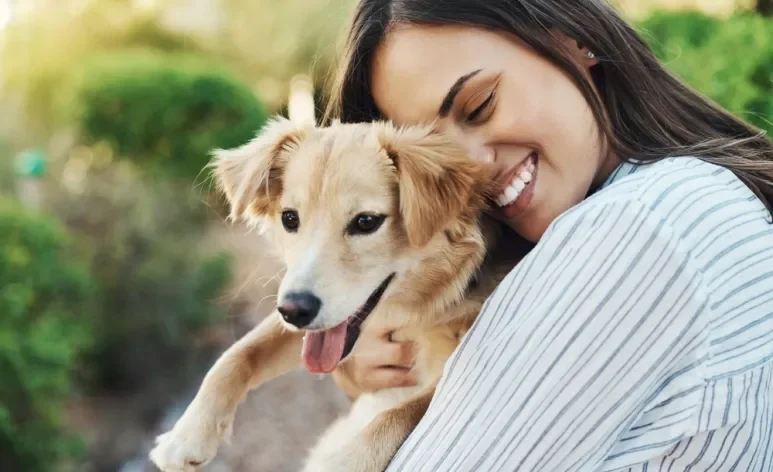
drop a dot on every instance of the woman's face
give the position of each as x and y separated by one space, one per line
508 105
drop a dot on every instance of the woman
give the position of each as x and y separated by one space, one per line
638 333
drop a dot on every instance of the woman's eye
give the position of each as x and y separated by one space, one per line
365 223
290 220
483 110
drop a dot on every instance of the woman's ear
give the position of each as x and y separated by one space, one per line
437 180
577 51
250 176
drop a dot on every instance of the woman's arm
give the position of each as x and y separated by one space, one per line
568 351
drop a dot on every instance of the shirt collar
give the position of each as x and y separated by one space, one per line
622 171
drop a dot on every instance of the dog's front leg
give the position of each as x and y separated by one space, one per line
264 353
374 447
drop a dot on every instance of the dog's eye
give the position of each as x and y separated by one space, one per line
290 220
365 223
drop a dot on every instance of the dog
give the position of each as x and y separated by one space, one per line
376 224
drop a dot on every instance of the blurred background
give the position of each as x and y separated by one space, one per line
120 282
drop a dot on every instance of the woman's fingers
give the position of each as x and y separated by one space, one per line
380 351
377 363
400 355
390 377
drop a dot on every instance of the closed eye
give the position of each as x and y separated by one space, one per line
473 116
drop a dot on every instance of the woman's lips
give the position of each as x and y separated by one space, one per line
515 185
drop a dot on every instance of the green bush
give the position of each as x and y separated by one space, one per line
44 298
6 167
166 112
41 50
159 285
730 61
671 32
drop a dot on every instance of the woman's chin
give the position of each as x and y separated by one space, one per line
530 228
528 225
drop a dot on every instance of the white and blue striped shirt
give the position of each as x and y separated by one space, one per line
636 336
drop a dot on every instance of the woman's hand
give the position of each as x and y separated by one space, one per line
376 363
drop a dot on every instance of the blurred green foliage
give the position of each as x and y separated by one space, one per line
44 305
265 43
159 284
6 167
269 42
670 32
40 53
165 112
729 60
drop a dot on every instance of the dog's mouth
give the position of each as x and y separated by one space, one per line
324 350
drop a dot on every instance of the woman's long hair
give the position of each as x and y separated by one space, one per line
645 112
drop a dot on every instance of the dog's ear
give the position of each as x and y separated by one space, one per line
436 179
250 176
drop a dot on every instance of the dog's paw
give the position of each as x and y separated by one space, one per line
189 445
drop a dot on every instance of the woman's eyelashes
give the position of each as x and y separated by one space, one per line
482 110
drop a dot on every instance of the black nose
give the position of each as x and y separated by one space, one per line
299 308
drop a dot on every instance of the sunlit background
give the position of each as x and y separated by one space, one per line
119 280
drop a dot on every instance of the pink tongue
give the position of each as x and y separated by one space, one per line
322 350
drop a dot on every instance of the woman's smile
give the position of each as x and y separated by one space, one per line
515 186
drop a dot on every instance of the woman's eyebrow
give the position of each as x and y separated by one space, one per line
448 100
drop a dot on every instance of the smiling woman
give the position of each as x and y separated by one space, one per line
638 334
510 106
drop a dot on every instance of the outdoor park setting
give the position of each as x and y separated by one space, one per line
121 280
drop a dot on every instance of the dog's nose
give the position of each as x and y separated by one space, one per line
299 308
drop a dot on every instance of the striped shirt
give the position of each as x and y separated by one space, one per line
636 336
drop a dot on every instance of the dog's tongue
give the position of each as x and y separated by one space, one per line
322 350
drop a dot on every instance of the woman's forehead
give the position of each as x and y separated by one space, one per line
414 68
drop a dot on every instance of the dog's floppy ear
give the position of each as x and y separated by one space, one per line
250 176
436 179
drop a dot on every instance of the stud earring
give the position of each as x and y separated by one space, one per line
591 55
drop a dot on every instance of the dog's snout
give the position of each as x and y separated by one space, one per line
299 308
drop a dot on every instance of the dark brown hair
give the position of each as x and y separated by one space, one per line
645 113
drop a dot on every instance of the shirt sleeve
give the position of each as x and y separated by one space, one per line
569 349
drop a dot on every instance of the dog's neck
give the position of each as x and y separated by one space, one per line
440 276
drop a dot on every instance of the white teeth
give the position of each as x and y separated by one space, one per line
511 193
519 182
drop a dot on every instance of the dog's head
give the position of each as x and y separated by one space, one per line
349 208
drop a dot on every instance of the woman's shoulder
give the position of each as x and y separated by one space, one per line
688 194
726 232
704 209
722 234
670 182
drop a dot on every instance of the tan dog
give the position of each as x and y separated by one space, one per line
377 225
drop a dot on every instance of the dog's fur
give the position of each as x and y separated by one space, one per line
447 258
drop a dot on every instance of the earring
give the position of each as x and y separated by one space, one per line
589 53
